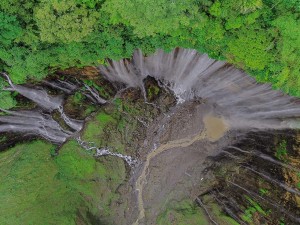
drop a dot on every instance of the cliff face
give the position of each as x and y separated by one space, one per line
201 136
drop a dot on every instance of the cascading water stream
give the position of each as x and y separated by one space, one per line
62 85
40 97
244 105
266 157
277 206
74 124
95 96
276 182
89 146
190 75
35 123
38 122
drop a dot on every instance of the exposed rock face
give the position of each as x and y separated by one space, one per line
88 71
174 169
180 121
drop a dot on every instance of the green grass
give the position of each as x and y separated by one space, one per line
118 103
96 180
111 127
298 183
104 130
30 193
104 118
39 189
78 97
131 108
89 110
74 162
96 129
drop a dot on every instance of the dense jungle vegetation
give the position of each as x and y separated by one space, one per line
41 36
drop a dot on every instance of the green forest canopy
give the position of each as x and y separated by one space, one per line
262 37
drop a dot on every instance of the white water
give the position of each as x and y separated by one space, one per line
245 103
89 146
95 95
34 123
39 96
74 124
64 86
38 122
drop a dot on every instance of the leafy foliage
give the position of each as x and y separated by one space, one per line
261 37
9 29
6 99
151 17
255 45
63 21
281 151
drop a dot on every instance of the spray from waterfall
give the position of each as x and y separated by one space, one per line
190 75
244 104
35 123
38 121
39 96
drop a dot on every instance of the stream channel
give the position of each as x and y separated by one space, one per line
189 128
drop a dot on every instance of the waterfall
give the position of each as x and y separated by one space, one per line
39 121
64 86
245 103
35 123
94 95
74 124
39 96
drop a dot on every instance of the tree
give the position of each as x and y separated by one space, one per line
246 6
149 17
91 3
288 46
64 21
233 8
250 48
40 36
9 29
